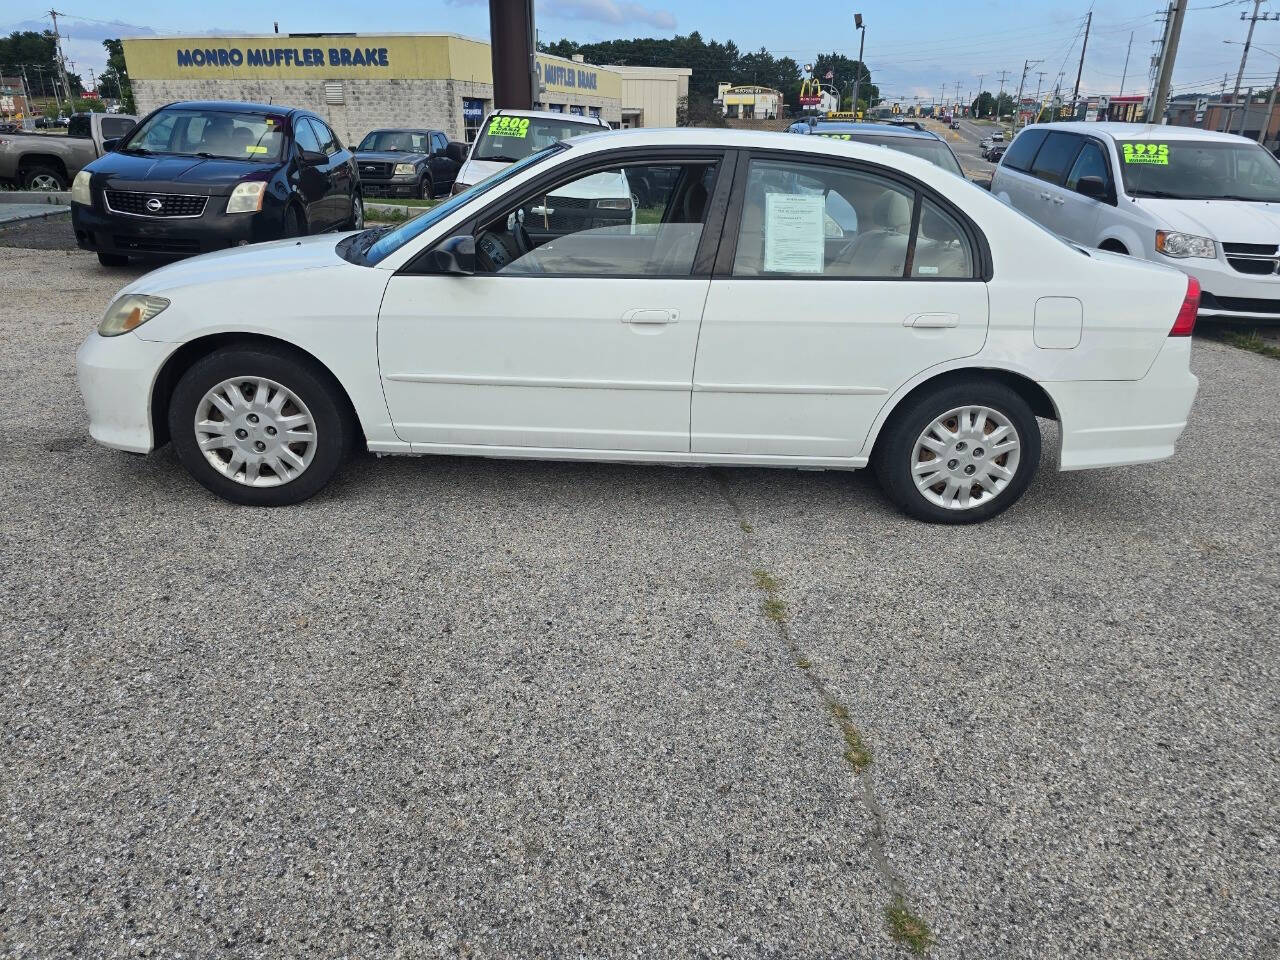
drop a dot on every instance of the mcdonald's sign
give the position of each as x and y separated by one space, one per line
810 92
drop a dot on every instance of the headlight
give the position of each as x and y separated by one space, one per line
129 313
404 170
80 188
247 197
1185 245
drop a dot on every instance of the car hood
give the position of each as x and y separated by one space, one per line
276 258
473 171
1229 221
390 156
160 172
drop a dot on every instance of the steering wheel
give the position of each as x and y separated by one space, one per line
521 237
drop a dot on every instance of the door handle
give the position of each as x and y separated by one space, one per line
651 316
1045 196
1058 200
931 320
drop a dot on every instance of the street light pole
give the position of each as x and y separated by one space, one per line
857 73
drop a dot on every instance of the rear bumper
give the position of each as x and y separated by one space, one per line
122 235
116 376
1109 423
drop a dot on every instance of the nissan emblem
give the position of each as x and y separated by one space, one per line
154 204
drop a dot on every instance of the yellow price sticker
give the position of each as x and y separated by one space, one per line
254 148
517 127
1150 153
837 136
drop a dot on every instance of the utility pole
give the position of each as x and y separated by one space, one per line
1167 57
981 77
1039 83
1075 94
1017 106
26 91
857 74
57 45
1004 75
1244 55
1271 105
1244 112
1124 74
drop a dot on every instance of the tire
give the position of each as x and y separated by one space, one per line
426 189
903 445
43 178
356 220
112 259
312 395
294 225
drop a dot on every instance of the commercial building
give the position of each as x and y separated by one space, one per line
13 98
360 82
752 103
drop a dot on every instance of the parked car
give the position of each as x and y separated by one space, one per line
510 135
732 323
917 142
1201 201
9 126
43 123
408 163
36 161
997 136
201 176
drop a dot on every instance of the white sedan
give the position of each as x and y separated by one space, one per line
771 301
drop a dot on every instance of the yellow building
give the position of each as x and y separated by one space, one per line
750 102
359 82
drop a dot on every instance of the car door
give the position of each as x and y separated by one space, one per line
1012 180
340 173
313 181
443 170
810 325
586 341
1053 160
1079 213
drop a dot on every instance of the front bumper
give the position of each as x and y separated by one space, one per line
395 187
1109 423
1226 293
116 377
119 234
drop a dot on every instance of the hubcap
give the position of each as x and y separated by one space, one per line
357 213
966 457
43 181
255 431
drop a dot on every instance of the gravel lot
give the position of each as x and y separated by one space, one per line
504 709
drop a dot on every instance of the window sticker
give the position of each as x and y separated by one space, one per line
254 148
1153 153
837 136
794 232
517 127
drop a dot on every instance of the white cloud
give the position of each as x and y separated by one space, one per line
617 12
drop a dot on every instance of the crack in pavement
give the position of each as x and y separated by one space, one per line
904 926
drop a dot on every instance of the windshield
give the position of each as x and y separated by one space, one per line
404 141
225 135
511 138
1194 170
373 246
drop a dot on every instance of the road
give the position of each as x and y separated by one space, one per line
965 144
480 708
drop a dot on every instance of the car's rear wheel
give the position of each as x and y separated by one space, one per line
959 454
294 225
426 189
43 178
259 426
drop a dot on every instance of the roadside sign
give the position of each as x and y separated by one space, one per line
1104 102
1202 105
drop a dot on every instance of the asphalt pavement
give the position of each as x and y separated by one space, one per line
457 707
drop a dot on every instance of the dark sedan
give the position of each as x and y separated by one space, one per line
408 163
195 177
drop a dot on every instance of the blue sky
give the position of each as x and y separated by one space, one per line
912 49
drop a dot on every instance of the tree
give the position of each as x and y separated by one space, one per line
845 71
38 53
984 105
114 83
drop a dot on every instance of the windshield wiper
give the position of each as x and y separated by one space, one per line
501 159
1162 195
1236 196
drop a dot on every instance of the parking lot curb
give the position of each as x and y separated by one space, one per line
55 197
15 213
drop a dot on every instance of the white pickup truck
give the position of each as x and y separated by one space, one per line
50 161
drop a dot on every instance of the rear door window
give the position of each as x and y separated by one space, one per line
1055 156
1023 150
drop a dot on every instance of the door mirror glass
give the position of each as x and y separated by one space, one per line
1092 187
109 146
456 256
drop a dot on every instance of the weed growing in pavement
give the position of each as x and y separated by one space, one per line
907 928
1254 343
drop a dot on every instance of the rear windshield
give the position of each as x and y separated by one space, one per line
509 138
1199 170
926 148
395 141
216 134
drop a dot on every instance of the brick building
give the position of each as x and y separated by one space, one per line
360 82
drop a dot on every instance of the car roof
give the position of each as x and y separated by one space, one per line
246 107
876 129
1141 131
549 115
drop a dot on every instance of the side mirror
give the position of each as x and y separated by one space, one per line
109 146
457 256
313 158
1095 188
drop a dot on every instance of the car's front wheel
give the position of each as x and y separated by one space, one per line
259 426
960 453
426 189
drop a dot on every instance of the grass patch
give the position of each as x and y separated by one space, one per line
907 928
767 582
856 752
774 607
1252 342
746 527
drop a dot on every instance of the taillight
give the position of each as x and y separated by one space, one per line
1186 321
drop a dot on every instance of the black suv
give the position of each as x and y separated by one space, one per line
201 176
408 163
